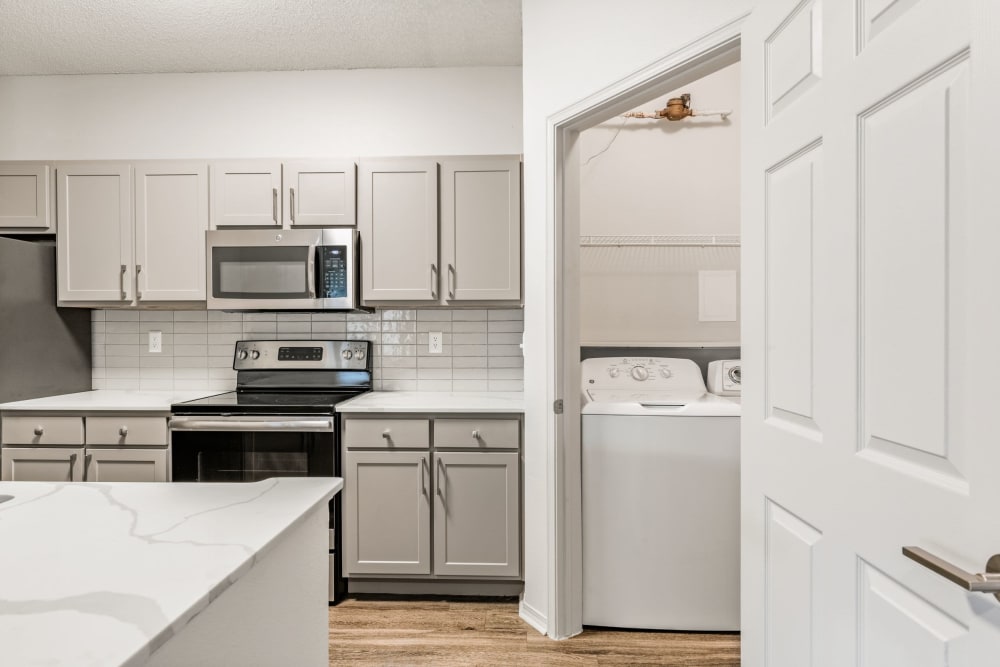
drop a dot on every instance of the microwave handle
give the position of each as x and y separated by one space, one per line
311 271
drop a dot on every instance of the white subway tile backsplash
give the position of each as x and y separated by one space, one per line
480 346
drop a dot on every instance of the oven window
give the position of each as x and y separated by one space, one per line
260 273
250 457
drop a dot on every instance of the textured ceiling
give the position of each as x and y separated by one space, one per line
131 36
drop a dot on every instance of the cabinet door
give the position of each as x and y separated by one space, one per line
171 218
398 225
476 514
126 465
245 193
48 464
481 229
319 193
25 197
387 513
94 221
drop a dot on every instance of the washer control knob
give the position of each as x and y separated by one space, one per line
639 373
666 372
359 355
242 354
254 354
347 354
613 371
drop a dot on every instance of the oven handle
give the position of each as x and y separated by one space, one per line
298 425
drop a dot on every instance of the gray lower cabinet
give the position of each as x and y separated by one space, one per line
41 464
387 513
476 514
125 465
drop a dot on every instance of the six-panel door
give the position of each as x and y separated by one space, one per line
398 225
41 464
481 229
476 514
387 513
26 197
94 222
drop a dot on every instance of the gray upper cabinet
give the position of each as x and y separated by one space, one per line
26 196
94 201
171 217
319 193
481 229
246 193
476 514
387 514
399 232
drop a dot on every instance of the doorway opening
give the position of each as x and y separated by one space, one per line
567 145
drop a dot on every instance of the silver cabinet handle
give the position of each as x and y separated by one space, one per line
86 465
274 205
475 434
291 204
39 430
72 464
977 583
452 279
121 282
423 479
440 479
434 270
387 434
123 431
138 292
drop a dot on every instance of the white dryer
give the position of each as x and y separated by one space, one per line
661 497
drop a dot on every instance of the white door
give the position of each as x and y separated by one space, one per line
171 218
246 193
870 317
319 193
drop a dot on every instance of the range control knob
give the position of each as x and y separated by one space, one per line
347 354
359 355
613 371
639 373
242 354
255 354
666 372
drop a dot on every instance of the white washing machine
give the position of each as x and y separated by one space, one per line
661 497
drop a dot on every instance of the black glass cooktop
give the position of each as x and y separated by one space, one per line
243 403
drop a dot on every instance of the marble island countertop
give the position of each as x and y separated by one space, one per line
105 574
435 401
108 400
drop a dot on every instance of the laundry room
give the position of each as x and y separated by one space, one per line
659 327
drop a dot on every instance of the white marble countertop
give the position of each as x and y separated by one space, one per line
104 574
435 401
109 400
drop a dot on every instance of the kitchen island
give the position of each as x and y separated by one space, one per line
164 574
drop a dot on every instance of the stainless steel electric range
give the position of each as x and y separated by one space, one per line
280 422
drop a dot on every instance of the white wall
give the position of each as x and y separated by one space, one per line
262 114
572 49
663 178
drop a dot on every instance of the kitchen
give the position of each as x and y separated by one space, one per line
418 112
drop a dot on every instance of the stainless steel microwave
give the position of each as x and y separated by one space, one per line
297 269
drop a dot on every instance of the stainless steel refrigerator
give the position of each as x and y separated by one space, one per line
44 350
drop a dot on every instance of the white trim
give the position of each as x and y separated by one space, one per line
532 617
709 53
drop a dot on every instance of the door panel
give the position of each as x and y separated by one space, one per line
126 465
246 193
171 218
48 464
94 249
26 196
319 193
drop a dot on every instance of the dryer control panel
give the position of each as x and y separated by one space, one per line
649 373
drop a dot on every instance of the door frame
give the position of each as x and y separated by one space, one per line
709 53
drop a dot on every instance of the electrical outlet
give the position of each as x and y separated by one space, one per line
156 341
434 342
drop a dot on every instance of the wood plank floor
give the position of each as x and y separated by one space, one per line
445 633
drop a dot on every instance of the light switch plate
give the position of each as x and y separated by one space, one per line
156 341
434 343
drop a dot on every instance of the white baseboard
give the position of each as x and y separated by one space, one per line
533 617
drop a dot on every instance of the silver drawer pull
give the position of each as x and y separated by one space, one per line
387 434
977 583
123 431
39 430
475 434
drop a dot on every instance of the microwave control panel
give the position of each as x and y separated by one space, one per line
332 271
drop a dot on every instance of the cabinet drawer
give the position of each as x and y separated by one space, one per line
402 433
40 431
477 433
126 431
